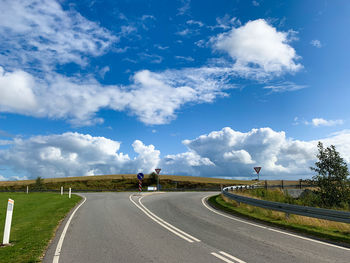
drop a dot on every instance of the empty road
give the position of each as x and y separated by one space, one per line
177 227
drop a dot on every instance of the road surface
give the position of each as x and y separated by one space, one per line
177 227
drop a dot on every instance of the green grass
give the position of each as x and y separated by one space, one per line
35 219
323 229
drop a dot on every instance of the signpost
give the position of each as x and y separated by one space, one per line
158 171
257 170
70 192
61 190
140 176
7 230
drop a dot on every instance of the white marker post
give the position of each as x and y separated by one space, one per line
61 190
27 189
8 221
70 192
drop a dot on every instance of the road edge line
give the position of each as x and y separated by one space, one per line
268 228
56 256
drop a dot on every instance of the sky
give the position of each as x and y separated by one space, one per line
202 88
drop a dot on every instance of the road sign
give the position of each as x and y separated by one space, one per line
140 176
158 170
257 169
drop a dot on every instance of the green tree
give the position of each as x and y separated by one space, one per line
332 178
39 183
153 178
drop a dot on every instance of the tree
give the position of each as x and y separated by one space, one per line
333 184
39 183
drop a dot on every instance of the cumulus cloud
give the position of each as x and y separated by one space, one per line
74 154
317 122
153 97
229 153
224 153
258 46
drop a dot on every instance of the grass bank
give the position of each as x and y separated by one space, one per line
121 182
324 229
35 219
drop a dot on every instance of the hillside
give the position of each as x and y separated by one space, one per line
122 182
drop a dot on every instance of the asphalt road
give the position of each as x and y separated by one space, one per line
177 227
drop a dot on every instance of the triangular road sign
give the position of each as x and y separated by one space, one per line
158 170
257 169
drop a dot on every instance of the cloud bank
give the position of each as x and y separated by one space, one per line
225 153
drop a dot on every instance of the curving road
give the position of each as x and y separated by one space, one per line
177 227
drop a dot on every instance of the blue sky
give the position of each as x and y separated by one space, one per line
206 88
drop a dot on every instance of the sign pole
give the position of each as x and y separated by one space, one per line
7 230
158 171
140 176
257 170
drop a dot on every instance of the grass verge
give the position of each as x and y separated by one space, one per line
34 221
322 229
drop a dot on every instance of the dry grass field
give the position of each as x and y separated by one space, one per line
125 177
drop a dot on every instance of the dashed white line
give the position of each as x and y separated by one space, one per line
227 258
232 257
271 229
164 224
56 257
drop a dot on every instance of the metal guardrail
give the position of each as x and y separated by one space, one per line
321 213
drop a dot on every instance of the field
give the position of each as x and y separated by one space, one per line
35 219
122 182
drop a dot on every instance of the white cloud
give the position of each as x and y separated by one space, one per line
185 7
316 43
322 122
225 153
229 153
184 32
190 59
194 22
285 86
2 178
258 46
42 33
74 154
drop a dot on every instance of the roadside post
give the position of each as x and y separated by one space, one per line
158 171
140 176
61 190
70 192
7 230
27 189
257 170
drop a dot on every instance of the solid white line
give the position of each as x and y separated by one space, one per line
271 229
231 257
168 224
160 223
222 258
56 257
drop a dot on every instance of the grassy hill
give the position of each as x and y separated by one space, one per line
122 182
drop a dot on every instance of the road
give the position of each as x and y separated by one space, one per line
177 227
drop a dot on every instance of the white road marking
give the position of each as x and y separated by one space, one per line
169 227
166 223
232 257
56 257
222 258
271 229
